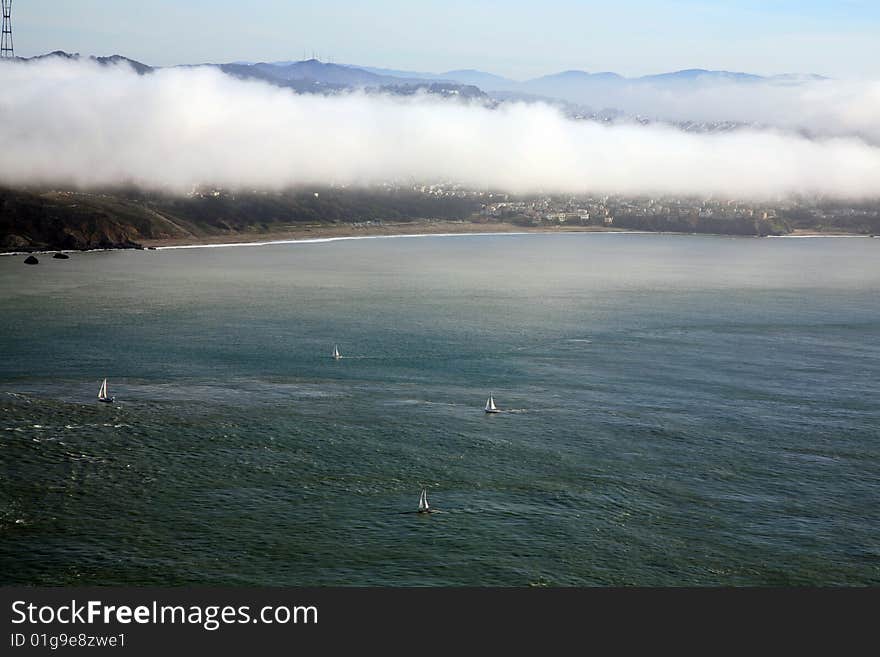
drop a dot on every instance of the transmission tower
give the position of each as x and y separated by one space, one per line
6 49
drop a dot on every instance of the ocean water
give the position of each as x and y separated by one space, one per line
679 410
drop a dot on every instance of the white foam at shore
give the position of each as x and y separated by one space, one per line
800 237
319 240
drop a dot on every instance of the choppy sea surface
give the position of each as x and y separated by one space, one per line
678 410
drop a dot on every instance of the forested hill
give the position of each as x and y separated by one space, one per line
40 220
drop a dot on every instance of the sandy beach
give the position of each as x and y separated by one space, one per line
312 232
322 231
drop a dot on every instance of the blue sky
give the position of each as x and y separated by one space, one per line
515 38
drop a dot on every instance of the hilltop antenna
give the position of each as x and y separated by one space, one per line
6 49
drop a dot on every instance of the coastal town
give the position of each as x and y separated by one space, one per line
595 209
780 215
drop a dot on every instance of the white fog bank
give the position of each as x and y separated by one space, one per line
80 124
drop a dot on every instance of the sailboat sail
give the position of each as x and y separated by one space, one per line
102 393
490 404
423 500
336 351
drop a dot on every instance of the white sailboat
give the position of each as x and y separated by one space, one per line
336 354
490 405
423 502
103 395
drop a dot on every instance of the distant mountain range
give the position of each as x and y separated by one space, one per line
307 76
614 97
572 86
113 59
594 88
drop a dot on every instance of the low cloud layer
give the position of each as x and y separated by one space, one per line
819 107
79 124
